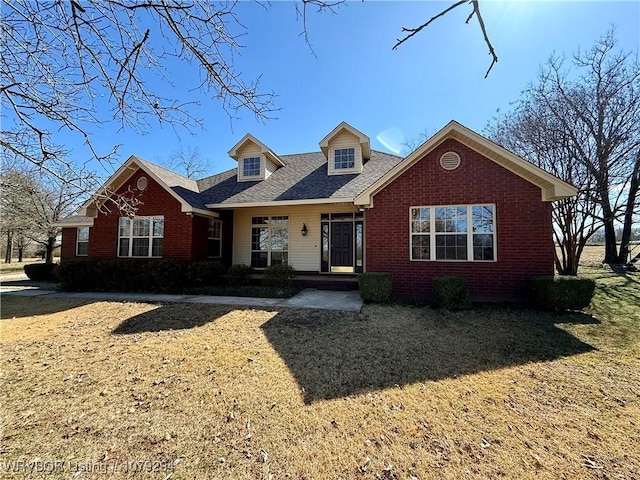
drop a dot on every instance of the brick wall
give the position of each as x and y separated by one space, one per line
523 226
178 226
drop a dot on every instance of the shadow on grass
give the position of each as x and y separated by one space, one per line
172 316
333 356
25 306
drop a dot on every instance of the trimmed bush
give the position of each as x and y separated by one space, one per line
167 275
561 293
450 293
281 275
41 271
239 274
78 275
375 287
206 272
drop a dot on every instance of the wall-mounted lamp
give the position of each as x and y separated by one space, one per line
304 230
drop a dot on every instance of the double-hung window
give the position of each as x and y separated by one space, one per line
140 236
457 232
269 241
214 241
344 158
82 241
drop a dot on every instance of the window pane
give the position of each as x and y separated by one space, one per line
83 248
214 248
451 247
158 227
420 247
259 259
483 247
325 247
420 220
123 247
83 234
342 217
482 218
260 220
140 247
359 245
344 158
125 227
156 247
251 166
279 257
141 227
214 228
451 219
259 238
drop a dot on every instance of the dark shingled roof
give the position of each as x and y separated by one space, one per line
304 177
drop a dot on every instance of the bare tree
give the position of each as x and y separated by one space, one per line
36 201
62 61
583 123
189 161
475 12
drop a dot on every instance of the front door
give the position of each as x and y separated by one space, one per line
342 247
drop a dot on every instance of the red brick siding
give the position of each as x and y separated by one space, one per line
523 226
178 226
68 247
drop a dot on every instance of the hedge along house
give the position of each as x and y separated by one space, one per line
458 205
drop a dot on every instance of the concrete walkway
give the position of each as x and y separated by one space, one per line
348 301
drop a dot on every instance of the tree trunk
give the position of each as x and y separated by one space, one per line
628 214
20 252
610 243
7 257
51 244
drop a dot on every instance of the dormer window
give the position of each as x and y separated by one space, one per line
251 167
255 160
344 158
346 150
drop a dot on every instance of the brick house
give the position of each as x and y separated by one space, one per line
458 205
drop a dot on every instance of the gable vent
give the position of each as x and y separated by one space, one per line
450 161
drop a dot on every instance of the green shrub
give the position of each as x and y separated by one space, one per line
450 293
41 271
561 293
206 272
281 275
239 274
375 287
77 275
167 276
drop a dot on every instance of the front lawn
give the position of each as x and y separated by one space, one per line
199 391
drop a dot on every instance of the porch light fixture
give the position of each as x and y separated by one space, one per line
304 230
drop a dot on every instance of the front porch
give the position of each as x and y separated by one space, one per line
319 281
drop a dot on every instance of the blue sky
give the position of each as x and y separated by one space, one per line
394 95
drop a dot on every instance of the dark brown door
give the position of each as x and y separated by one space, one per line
342 244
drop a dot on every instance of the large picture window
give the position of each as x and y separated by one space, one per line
140 236
214 238
269 241
457 233
82 242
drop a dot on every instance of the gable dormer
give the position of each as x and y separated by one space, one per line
255 160
346 150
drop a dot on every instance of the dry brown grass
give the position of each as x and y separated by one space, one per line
401 392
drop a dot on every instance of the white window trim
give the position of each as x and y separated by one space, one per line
78 242
214 220
469 233
343 169
269 249
131 237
